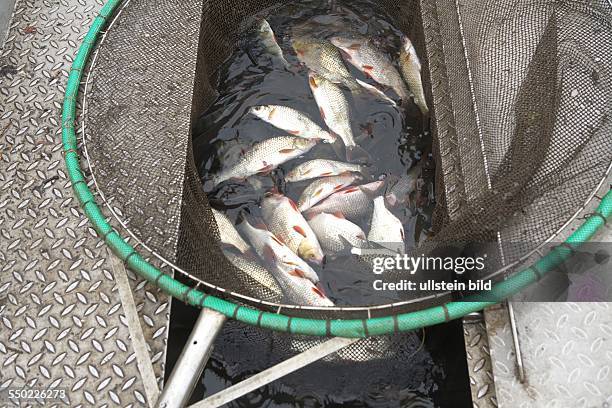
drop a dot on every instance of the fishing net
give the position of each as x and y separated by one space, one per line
519 92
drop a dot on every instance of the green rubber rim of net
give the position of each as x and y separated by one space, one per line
353 328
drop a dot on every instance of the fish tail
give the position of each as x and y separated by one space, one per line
422 104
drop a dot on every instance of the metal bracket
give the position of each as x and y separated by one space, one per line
192 361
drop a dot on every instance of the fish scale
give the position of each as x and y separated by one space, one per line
354 203
292 121
386 229
228 233
285 220
320 189
265 157
325 59
321 168
336 112
411 71
337 234
363 54
288 269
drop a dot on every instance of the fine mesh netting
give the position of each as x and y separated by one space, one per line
520 113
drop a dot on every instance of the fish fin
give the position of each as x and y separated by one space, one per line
392 199
390 182
356 154
367 70
277 240
318 289
286 151
312 82
266 170
322 112
346 246
293 205
354 87
294 132
369 192
298 273
268 254
261 226
309 216
299 230
338 214
250 255
241 218
351 189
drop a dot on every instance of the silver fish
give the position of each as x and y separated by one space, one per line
231 154
353 203
401 188
337 234
377 92
336 112
322 168
289 270
322 188
411 71
228 233
386 229
285 220
323 58
265 157
364 55
251 266
268 40
292 121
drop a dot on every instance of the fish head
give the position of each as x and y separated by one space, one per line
273 197
347 44
314 80
311 252
301 46
264 26
262 111
301 143
407 45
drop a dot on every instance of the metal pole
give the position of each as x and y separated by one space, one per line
517 344
192 361
273 373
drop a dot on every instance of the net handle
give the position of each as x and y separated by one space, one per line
351 328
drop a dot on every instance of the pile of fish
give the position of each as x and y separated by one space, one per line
292 237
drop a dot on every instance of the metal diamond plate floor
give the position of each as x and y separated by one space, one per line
62 323
566 349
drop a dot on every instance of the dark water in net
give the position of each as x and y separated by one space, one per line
414 370
427 369
396 138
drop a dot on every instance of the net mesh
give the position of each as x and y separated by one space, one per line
520 95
